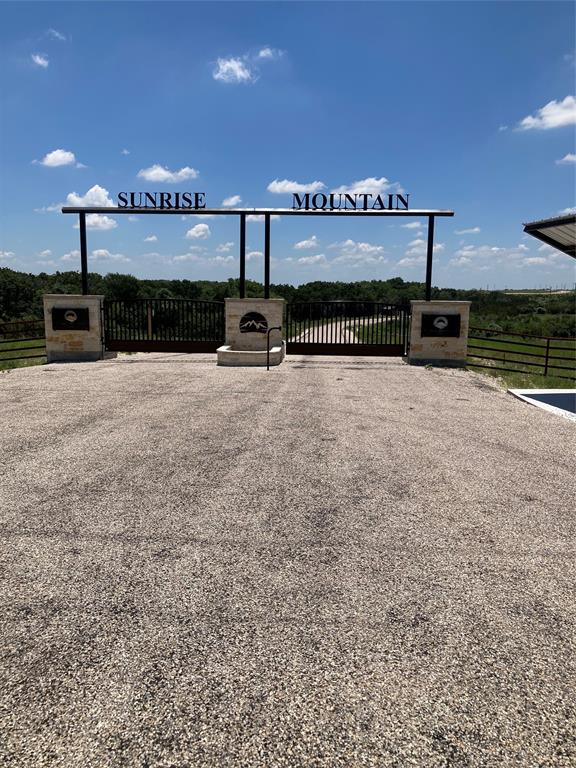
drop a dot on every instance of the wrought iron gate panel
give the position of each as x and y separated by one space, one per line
347 328
163 325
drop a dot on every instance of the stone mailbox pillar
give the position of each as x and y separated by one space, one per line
247 324
439 333
73 326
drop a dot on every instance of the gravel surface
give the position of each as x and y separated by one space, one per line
342 562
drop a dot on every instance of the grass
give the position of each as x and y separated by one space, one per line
22 350
380 333
515 380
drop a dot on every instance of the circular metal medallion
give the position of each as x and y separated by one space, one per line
440 323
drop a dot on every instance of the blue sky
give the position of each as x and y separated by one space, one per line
464 105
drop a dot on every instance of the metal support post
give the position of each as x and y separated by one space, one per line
83 253
429 255
242 255
267 256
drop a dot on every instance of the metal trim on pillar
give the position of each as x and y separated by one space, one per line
83 253
429 255
242 255
267 256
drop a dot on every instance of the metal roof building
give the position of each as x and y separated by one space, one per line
559 232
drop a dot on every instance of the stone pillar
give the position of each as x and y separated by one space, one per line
247 323
439 333
73 326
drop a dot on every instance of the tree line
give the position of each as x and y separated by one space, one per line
541 314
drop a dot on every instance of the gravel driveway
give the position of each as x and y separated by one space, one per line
342 562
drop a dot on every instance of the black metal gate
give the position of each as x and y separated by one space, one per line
347 328
163 325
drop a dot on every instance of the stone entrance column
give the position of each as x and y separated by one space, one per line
73 327
247 324
439 333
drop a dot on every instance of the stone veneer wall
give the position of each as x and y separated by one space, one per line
439 350
74 345
271 309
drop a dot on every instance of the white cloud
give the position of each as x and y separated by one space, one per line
132 218
71 256
260 217
45 254
568 159
202 216
102 254
352 248
150 239
98 221
46 262
416 253
411 261
5 255
471 231
369 186
220 259
55 35
285 186
418 247
318 259
535 260
555 114
224 247
96 197
484 257
159 173
566 211
412 225
232 201
312 242
198 256
40 60
254 255
233 70
198 232
187 257
269 53
55 207
502 128
125 152
57 158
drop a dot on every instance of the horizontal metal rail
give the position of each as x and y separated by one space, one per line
421 213
523 335
525 362
519 343
512 352
20 357
13 340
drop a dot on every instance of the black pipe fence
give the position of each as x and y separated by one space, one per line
21 340
544 356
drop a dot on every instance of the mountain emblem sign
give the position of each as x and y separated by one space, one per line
253 322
